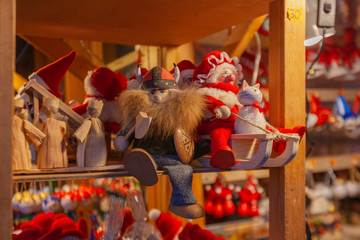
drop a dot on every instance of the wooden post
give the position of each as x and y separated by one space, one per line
287 109
7 69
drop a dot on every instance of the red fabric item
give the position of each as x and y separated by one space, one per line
279 146
69 228
28 234
128 221
184 65
52 235
107 83
256 105
41 222
229 207
168 226
54 73
81 109
195 232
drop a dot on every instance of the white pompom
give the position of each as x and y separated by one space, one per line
154 214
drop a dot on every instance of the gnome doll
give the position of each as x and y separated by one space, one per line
167 143
186 68
23 131
218 76
104 85
91 151
171 228
52 152
51 75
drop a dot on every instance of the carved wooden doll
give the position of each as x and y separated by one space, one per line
91 151
52 152
22 132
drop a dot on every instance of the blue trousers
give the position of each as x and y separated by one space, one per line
180 176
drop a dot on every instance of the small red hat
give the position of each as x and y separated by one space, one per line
168 226
28 234
51 75
52 235
128 221
212 64
41 222
69 228
183 66
104 83
195 232
158 77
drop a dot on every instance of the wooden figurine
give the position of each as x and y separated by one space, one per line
91 151
22 132
52 152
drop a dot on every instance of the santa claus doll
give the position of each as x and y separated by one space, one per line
104 85
218 77
186 68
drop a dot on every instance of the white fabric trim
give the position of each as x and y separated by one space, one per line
36 77
186 72
203 78
89 88
227 97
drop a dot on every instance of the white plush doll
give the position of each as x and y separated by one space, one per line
250 97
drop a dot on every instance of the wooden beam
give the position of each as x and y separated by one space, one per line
287 109
169 23
241 36
123 61
7 69
56 48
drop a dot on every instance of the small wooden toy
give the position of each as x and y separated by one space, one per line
52 152
91 151
22 132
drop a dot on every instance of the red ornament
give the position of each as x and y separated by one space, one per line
218 210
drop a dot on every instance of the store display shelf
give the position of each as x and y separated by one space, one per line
338 162
235 176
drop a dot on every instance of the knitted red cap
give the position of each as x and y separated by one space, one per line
168 226
195 232
105 83
53 74
41 222
69 228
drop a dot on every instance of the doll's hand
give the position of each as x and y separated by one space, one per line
222 112
120 143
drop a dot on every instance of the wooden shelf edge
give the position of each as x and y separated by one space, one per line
342 162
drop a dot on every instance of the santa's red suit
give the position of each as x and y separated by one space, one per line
105 85
216 76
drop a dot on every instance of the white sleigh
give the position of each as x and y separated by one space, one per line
254 151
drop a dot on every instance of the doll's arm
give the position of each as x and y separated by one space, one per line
82 132
218 108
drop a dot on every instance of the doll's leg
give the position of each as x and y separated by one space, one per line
183 201
222 155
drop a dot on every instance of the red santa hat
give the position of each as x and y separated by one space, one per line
70 228
185 66
51 75
195 232
104 83
168 226
41 222
212 64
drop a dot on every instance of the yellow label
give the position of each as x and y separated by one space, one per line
294 14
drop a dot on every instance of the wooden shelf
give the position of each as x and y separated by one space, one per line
342 162
133 22
235 176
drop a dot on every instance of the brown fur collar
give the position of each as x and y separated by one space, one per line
184 109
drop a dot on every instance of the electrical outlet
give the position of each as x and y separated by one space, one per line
326 14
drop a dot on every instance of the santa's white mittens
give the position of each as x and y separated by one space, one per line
154 214
222 112
120 143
